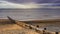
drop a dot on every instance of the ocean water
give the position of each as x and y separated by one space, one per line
30 14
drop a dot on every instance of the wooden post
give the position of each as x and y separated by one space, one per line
44 28
37 26
30 27
44 31
56 32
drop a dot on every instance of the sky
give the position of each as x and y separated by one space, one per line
36 1
28 3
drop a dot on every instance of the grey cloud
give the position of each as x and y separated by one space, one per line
15 1
37 1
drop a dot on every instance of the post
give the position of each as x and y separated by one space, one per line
30 27
44 31
56 32
44 28
37 26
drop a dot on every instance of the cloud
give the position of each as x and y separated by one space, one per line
5 4
36 1
15 1
47 1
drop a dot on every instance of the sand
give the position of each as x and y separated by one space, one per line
15 29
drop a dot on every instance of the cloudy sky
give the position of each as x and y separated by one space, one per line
36 1
28 3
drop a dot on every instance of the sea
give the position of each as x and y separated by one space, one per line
30 14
